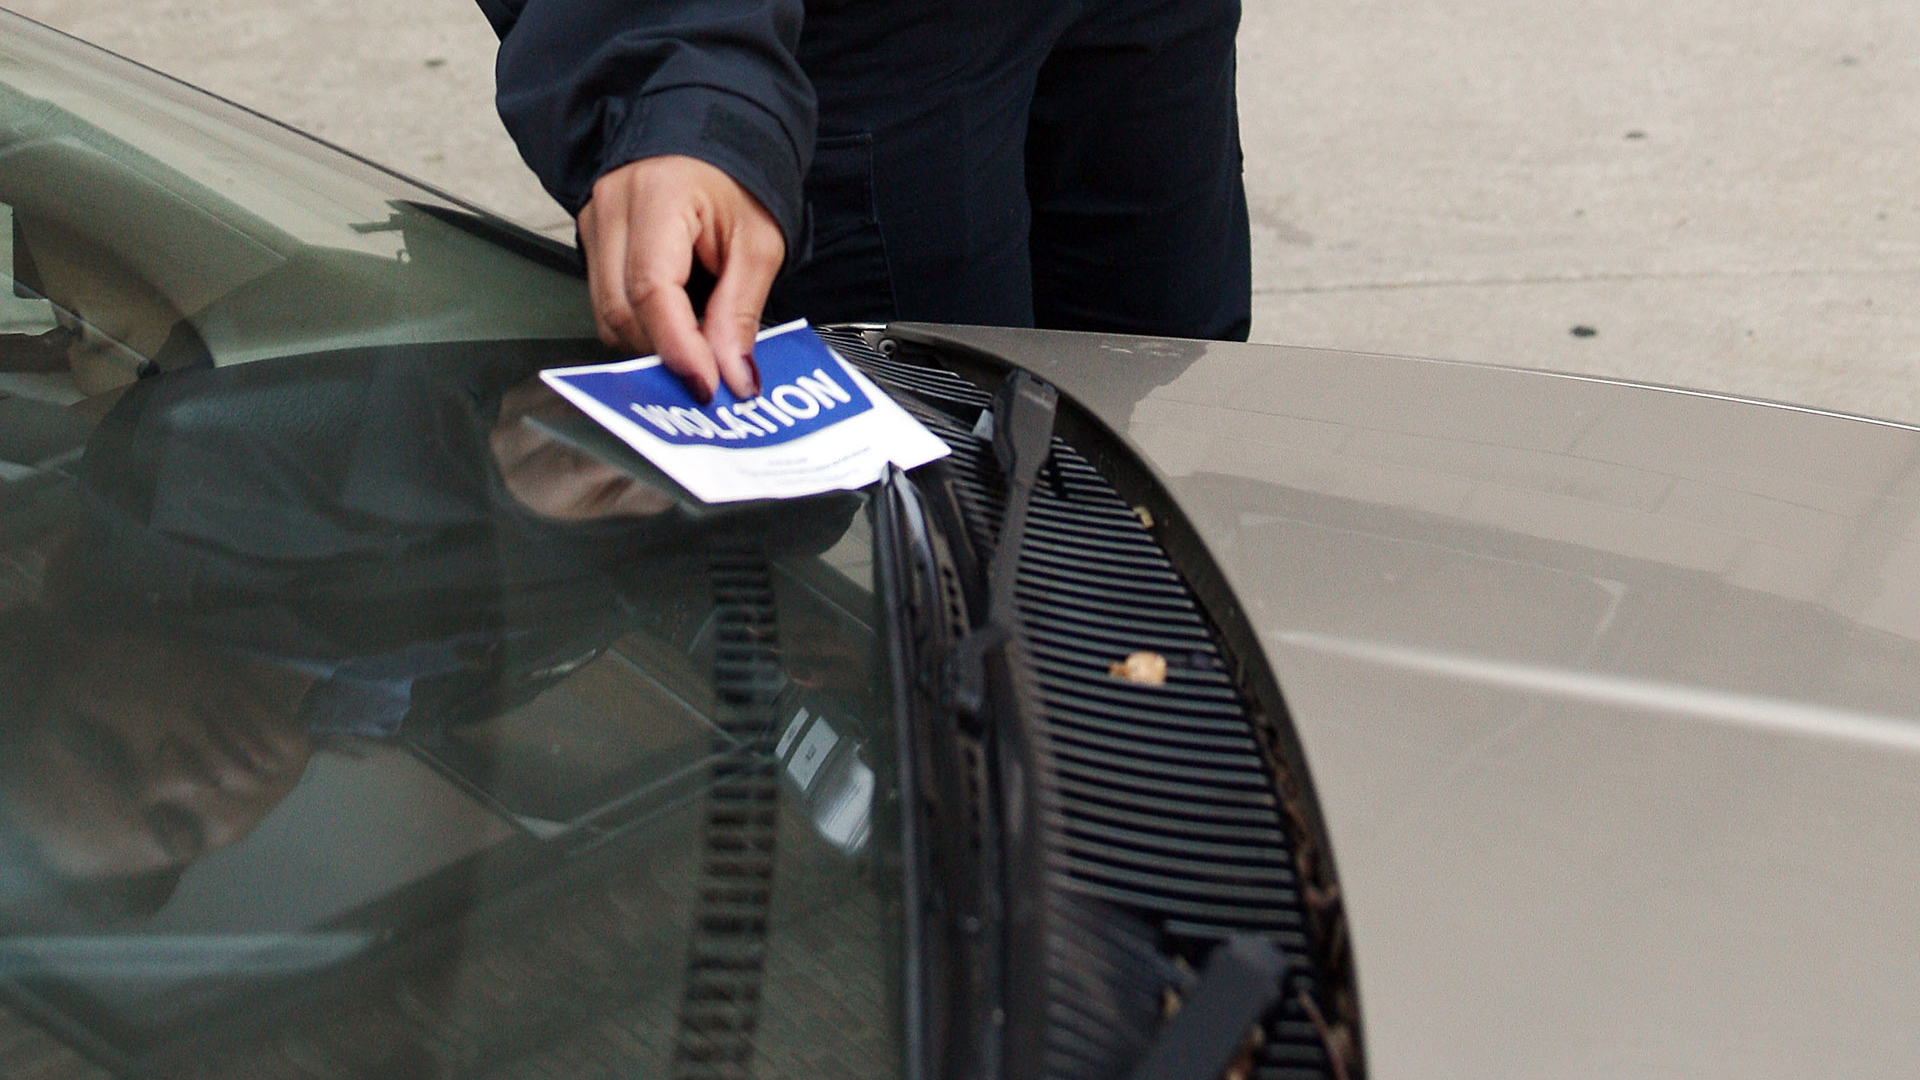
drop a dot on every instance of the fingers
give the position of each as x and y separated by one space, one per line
754 250
659 260
640 233
638 245
603 243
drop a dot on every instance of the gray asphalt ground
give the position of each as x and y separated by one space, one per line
1722 190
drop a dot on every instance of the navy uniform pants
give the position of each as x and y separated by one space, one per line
1068 165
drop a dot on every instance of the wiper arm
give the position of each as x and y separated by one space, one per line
1240 982
1023 411
1022 436
986 691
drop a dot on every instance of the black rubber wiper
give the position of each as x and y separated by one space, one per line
980 845
990 694
1022 423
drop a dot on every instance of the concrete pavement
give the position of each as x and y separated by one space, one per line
1722 191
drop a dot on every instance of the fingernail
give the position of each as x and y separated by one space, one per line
755 370
703 393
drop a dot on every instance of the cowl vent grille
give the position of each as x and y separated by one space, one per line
1168 804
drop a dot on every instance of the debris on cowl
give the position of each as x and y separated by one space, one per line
1146 668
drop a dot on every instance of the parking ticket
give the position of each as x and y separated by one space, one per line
817 424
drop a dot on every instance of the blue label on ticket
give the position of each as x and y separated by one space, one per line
803 388
816 424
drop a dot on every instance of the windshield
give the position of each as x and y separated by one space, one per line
142 225
363 710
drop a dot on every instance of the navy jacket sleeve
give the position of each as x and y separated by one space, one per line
586 86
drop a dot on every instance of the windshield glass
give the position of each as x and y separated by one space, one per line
144 226
364 711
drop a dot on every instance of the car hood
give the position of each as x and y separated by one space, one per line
1608 693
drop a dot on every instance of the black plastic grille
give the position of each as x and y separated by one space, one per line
1169 807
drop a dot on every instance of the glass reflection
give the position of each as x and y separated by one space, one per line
402 559
137 755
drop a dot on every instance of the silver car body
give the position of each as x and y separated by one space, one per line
1608 693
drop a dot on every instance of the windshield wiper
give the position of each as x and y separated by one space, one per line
985 690
1241 981
976 870
1022 426
991 695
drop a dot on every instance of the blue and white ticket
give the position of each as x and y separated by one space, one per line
817 424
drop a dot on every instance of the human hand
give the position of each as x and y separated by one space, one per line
642 229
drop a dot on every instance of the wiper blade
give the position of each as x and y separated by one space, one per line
996 837
1022 420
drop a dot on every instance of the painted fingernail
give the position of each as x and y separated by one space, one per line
703 393
754 369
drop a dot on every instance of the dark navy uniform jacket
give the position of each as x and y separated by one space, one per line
1072 164
586 86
